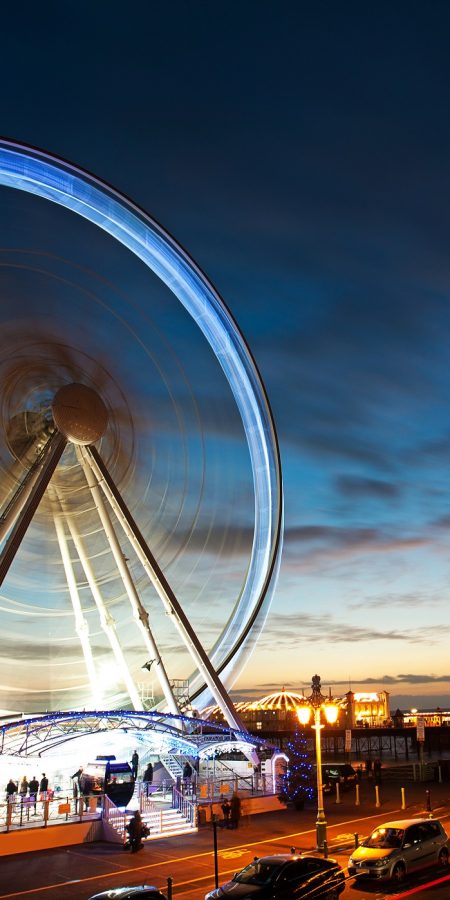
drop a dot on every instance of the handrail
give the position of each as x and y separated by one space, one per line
186 807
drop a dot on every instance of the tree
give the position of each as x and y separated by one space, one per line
298 782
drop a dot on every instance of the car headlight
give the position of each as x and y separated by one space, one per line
378 863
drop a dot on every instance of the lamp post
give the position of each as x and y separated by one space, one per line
315 703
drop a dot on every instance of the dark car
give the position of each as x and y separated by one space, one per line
284 877
134 892
338 773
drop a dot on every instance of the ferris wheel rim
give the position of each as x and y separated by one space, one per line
19 167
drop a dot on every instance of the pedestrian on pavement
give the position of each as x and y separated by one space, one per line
134 764
226 810
235 810
135 828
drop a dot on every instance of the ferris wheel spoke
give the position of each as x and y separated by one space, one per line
25 513
107 621
102 476
139 611
81 625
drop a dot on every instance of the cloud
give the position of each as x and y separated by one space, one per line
311 628
308 545
407 601
354 487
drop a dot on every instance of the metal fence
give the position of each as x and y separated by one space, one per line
43 810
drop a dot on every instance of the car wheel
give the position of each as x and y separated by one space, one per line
443 857
399 873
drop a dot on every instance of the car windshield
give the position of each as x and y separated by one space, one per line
385 837
258 872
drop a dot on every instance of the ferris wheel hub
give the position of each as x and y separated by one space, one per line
79 414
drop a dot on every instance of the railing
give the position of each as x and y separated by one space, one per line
113 815
20 812
187 807
247 785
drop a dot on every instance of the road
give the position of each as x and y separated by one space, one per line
80 871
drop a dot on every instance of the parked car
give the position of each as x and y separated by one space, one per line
396 849
285 877
135 892
338 773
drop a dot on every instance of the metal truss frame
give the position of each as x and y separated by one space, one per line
36 736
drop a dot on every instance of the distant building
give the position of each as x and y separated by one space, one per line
278 711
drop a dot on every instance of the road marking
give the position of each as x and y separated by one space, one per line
231 854
90 878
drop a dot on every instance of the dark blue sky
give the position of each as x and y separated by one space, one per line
301 153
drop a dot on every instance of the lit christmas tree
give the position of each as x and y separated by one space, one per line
298 782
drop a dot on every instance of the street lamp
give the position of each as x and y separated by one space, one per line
315 703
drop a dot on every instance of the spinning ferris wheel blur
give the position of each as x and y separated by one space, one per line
140 477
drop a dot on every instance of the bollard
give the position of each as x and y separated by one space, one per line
338 792
169 888
403 798
439 774
377 796
325 849
357 803
356 836
46 805
428 796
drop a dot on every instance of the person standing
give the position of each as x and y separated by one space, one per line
235 810
43 787
226 810
134 764
23 787
11 790
147 777
33 788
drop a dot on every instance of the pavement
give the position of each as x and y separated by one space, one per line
81 871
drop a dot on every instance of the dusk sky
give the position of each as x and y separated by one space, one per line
301 153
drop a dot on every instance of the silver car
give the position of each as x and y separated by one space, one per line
396 849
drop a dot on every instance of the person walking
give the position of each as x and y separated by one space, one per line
235 810
134 764
33 788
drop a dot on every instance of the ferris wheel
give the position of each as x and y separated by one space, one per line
140 475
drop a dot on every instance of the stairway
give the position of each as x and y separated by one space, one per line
164 822
171 764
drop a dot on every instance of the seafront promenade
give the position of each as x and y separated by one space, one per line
68 873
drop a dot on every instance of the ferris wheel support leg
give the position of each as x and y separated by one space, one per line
139 612
81 625
22 488
106 620
55 449
162 587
